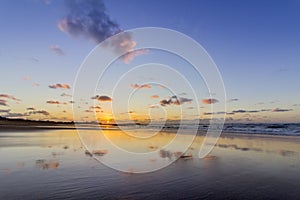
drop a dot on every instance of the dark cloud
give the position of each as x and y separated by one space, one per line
174 100
42 112
59 85
57 50
4 111
144 86
89 18
265 110
102 98
3 102
95 107
214 113
55 102
209 101
245 111
165 102
12 115
281 110
30 108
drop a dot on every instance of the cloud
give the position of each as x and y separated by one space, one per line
4 111
16 115
27 78
143 86
35 84
175 101
245 111
89 18
165 102
95 107
9 97
264 110
153 106
56 49
55 102
214 113
65 95
42 112
102 98
3 102
154 96
59 85
209 101
281 110
128 57
233 100
30 108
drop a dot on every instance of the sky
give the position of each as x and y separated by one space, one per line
254 44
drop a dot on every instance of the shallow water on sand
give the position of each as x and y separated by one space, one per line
54 165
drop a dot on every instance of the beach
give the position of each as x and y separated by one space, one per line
53 164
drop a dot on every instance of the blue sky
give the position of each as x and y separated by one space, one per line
255 45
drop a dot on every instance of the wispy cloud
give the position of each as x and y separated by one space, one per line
281 110
233 100
102 98
65 95
154 106
59 85
57 50
209 101
9 97
127 58
143 86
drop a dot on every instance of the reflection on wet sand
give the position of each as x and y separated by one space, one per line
268 164
47 164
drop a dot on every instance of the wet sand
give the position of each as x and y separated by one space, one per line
52 164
